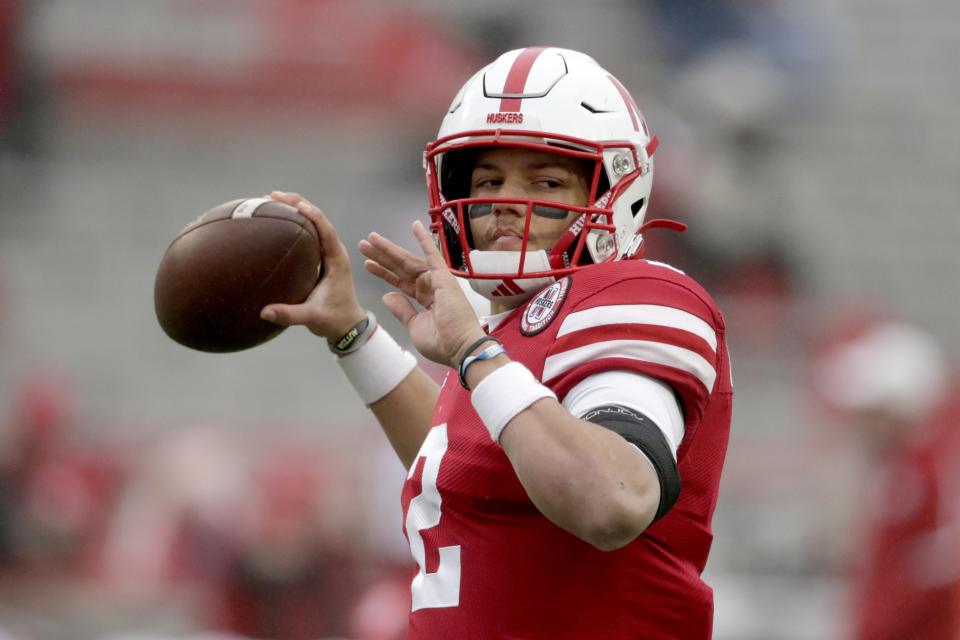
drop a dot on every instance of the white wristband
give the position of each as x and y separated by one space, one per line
500 396
378 367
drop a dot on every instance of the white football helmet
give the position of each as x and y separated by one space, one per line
550 99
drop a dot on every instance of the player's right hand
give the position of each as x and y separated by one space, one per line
446 323
332 308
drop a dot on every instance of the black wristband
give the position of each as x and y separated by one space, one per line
466 354
355 337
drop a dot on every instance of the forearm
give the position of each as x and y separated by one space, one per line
406 413
583 477
387 379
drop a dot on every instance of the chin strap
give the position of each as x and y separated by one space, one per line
634 250
509 291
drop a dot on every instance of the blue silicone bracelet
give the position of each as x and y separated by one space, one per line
490 352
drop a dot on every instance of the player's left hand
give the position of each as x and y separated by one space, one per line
447 325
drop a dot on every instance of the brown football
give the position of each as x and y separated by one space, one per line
226 265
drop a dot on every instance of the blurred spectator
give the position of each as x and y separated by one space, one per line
262 536
10 14
295 576
382 610
740 72
56 491
20 88
745 62
896 387
4 307
759 278
183 513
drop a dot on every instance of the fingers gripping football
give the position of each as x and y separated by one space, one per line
332 307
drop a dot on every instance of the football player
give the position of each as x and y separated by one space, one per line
894 386
563 476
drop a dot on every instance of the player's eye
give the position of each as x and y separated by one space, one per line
487 183
551 181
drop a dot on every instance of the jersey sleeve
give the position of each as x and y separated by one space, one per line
666 328
651 397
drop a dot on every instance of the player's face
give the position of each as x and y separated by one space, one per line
524 173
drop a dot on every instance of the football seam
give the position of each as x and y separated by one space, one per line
197 225
286 255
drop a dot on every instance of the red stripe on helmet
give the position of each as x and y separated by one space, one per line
652 145
632 107
517 77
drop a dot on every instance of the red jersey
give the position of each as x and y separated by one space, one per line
490 565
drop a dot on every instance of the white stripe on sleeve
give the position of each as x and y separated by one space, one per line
639 314
645 350
660 352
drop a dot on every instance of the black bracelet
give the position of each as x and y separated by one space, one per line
466 354
356 337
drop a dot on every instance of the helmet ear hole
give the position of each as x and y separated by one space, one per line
637 206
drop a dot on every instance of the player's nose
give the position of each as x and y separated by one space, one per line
508 208
510 189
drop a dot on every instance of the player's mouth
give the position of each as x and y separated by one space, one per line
505 239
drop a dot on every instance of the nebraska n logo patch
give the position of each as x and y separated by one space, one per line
544 307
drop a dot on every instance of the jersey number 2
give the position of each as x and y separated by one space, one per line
440 588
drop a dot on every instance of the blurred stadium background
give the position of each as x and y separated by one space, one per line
152 492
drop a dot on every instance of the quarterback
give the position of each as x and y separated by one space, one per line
562 479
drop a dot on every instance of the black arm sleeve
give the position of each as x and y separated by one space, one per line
643 432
